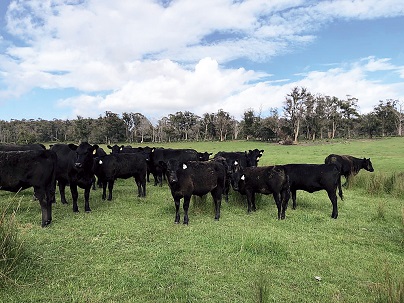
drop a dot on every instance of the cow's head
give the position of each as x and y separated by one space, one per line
367 165
174 168
115 149
237 176
253 156
84 154
204 156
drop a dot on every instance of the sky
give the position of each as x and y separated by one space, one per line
60 59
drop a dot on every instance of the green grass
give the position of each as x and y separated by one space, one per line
130 250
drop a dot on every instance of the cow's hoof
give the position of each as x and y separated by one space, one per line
46 223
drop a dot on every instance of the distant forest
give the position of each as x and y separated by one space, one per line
306 116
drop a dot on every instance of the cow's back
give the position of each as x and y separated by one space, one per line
24 169
21 147
311 177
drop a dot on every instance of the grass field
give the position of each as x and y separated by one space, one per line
130 250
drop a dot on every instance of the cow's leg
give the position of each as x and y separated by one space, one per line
333 198
278 202
75 196
250 199
253 208
285 196
142 182
87 198
293 198
226 190
187 199
104 189
177 210
94 182
217 198
45 206
110 188
62 191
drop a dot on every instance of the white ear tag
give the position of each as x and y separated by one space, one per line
100 162
235 163
184 166
242 177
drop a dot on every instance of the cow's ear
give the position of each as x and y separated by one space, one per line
72 146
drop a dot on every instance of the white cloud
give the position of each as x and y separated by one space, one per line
167 88
143 56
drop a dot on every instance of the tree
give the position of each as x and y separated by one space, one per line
208 126
114 128
332 115
369 124
82 128
349 111
223 123
389 117
295 104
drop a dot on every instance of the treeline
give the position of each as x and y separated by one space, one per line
305 116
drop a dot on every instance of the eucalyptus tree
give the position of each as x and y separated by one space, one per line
369 124
332 115
389 117
349 112
208 126
223 124
82 128
295 107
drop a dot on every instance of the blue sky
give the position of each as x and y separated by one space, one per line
64 58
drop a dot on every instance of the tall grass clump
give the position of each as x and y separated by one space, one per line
10 246
391 291
380 183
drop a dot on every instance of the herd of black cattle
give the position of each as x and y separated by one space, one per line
187 171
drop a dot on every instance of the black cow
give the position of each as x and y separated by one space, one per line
195 178
111 167
315 177
160 157
145 151
99 152
264 180
75 168
244 159
33 168
16 147
115 149
350 166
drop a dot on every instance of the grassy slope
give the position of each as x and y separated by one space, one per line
129 250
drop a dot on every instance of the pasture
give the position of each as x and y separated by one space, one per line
130 250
